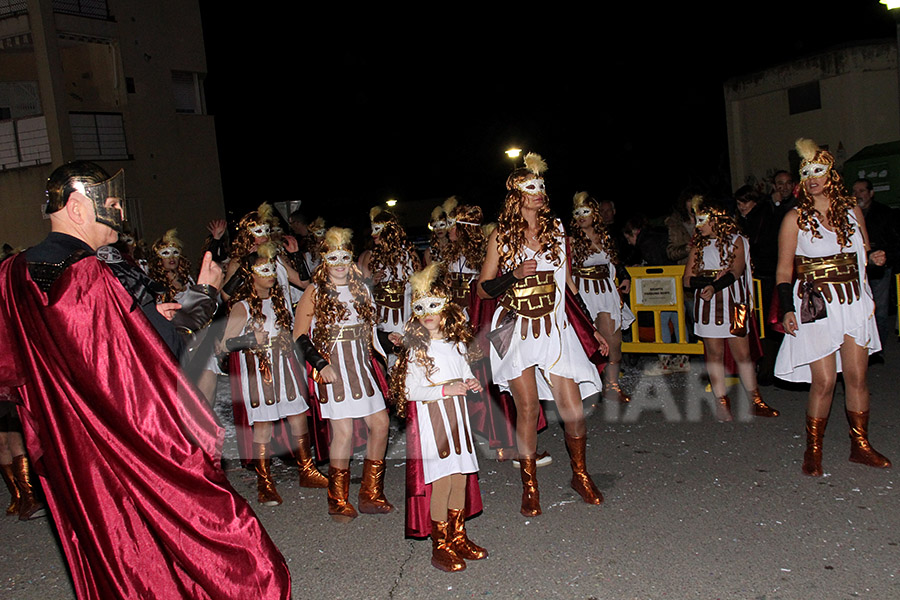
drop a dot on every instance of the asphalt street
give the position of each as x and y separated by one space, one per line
693 509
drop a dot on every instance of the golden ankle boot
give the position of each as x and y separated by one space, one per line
371 491
581 481
442 556
29 506
613 391
812 458
860 450
760 408
338 492
459 541
531 497
310 477
723 409
266 493
9 477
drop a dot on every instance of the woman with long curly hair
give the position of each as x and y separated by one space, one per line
388 265
429 384
335 328
466 253
824 241
535 353
718 270
439 225
594 262
168 267
258 334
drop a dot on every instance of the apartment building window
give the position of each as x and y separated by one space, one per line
188 89
85 8
24 143
98 136
13 7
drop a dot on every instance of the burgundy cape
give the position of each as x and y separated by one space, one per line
127 449
418 493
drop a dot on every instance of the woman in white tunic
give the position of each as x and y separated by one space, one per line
434 373
335 328
535 353
718 270
828 313
258 334
594 262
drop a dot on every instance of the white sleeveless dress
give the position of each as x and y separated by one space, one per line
712 318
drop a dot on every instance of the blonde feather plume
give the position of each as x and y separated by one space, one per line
318 223
488 229
534 163
436 213
171 238
449 204
265 211
338 237
421 281
696 202
579 198
374 212
268 250
806 148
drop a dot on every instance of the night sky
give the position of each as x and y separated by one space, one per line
345 109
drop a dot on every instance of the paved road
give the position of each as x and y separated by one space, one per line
694 509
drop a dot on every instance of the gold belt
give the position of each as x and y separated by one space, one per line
389 294
532 297
712 273
593 272
838 273
349 333
460 286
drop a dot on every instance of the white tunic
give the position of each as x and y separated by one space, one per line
393 320
448 446
281 397
355 393
600 297
712 319
824 337
558 352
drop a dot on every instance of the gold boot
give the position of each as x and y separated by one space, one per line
338 491
371 490
459 541
812 458
531 497
310 477
760 408
723 409
581 481
29 506
266 493
613 391
860 450
10 478
442 556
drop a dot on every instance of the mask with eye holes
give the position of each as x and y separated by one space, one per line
428 305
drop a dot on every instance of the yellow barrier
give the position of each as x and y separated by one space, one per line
657 290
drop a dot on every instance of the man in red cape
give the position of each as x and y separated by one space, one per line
128 451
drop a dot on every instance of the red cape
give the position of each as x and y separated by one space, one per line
126 447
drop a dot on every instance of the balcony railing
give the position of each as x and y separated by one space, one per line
95 9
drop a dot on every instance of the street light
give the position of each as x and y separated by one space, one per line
514 153
391 203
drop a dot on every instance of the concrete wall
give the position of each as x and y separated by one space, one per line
859 107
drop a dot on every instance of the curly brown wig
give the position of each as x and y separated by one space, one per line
581 243
840 205
243 239
512 225
176 282
723 227
393 249
470 241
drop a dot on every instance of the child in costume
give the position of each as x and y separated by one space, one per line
263 360
335 328
430 383
439 225
594 264
828 312
169 268
718 270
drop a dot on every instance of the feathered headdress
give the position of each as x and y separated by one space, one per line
811 154
534 163
317 227
488 229
580 198
374 212
169 240
337 238
268 250
265 212
422 281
